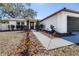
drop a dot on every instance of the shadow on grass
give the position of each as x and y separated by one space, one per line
7 30
24 53
77 44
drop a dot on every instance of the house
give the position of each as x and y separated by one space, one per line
14 22
64 20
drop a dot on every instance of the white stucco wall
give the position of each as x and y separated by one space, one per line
12 23
4 27
59 21
50 21
64 15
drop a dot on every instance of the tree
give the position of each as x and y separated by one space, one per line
18 10
37 26
31 13
7 8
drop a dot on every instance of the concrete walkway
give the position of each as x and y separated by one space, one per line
49 43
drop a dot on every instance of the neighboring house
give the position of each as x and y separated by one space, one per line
6 24
65 20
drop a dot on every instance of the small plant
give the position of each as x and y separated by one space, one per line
28 42
12 27
52 28
22 27
18 27
8 27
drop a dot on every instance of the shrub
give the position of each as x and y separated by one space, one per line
8 27
37 26
22 27
52 28
18 27
12 27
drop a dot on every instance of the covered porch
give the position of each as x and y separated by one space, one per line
31 24
18 24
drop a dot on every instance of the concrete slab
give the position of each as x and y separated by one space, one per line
49 43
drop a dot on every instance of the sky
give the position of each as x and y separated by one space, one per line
46 9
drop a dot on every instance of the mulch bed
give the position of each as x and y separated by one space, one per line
34 48
48 34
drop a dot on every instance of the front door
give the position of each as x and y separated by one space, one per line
31 25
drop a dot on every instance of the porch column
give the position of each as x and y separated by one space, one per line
28 24
25 23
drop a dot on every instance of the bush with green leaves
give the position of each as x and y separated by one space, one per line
52 28
18 27
8 27
22 27
12 27
37 26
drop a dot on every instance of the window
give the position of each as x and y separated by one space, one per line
22 23
18 23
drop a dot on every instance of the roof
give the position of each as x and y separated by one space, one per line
17 19
64 9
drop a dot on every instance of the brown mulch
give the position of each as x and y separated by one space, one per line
34 48
48 35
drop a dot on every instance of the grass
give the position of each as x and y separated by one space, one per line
9 41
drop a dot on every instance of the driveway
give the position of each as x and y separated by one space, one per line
49 43
74 38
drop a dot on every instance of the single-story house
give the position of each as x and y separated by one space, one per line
14 22
64 20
